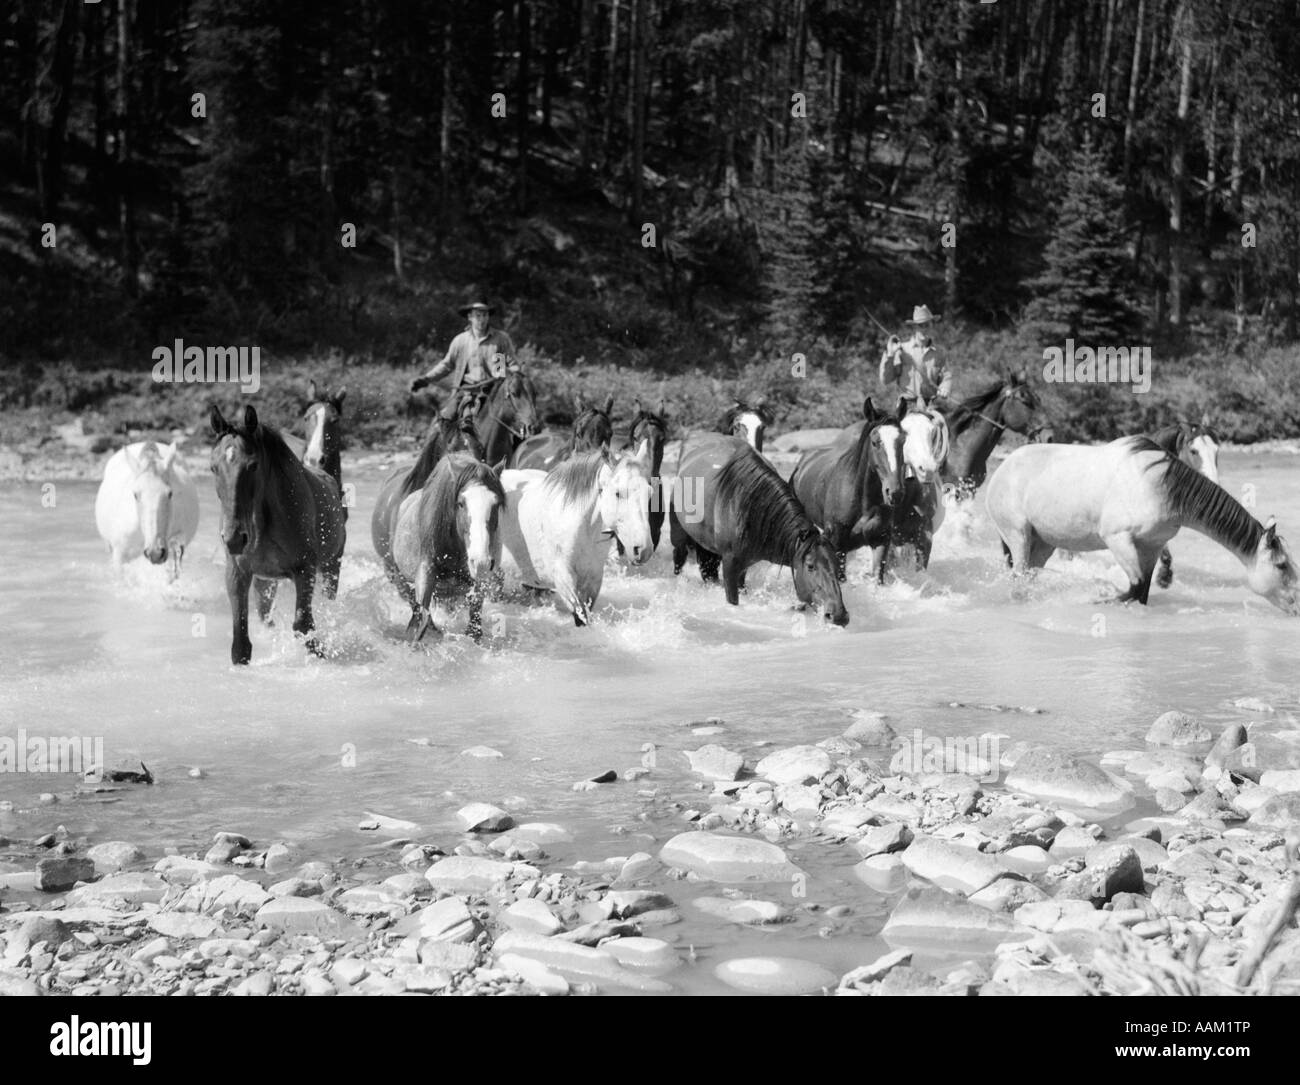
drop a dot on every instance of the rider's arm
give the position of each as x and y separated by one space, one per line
890 355
944 381
441 369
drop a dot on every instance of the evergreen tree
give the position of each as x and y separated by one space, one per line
1084 291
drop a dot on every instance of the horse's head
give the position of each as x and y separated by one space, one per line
592 427
323 419
816 578
1272 573
479 502
1018 403
925 442
885 443
748 421
624 502
151 487
237 468
649 426
1198 447
515 403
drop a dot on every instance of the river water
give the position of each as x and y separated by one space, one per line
299 749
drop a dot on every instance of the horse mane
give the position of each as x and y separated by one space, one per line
277 450
574 480
435 448
1202 504
965 412
771 518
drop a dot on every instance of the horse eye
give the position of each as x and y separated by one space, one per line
169 493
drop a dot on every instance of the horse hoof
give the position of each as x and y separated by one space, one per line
1164 578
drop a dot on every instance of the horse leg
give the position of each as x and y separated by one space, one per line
708 563
475 625
1138 564
680 540
879 553
1165 576
237 585
733 578
265 598
304 583
329 572
422 596
1039 552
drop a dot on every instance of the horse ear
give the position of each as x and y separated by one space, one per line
868 410
636 406
312 393
609 404
338 398
500 465
169 455
247 420
901 410
661 408
1205 419
217 421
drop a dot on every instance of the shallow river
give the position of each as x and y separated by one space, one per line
299 749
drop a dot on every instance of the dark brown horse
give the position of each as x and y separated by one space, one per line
851 489
446 542
651 426
977 424
745 512
279 518
505 413
592 429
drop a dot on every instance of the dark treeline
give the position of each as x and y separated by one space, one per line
802 164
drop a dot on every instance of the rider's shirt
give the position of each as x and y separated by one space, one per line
471 359
916 370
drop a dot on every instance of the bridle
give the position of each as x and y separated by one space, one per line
479 389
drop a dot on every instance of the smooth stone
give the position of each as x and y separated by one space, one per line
1149 853
727 858
888 806
482 817
950 866
222 852
1285 781
883 873
1048 774
1007 894
304 915
114 855
315 984
468 873
279 858
651 955
177 870
637 866
185 925
448 920
795 765
295 887
1026 859
531 916
258 985
1280 812
370 900
1177 729
56 875
715 762
799 798
575 961
870 729
934 917
236 895
542 832
481 751
1053 915
1114 868
407 885
846 819
1232 736
452 957
743 912
131 888
534 973
348 971
775 975
883 839
238 839
1170 780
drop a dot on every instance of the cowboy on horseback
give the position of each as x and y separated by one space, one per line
913 366
477 356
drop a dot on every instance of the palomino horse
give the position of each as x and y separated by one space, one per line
851 487
1197 445
559 525
279 518
652 427
747 421
920 511
445 436
748 513
977 425
147 504
1130 497
592 429
446 542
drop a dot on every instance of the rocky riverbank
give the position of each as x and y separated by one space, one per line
993 885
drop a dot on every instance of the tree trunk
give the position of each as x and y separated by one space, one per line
125 188
1131 114
1177 172
638 106
63 69
522 106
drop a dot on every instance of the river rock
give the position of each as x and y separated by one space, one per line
1168 899
114 855
1110 869
845 820
775 975
531 916
234 894
302 915
1071 841
799 799
467 874
1177 729
896 809
36 929
1026 859
639 865
542 832
448 920
883 839
371 900
1048 774
743 912
185 925
451 957
59 874
1286 781
626 903
950 866
870 729
650 955
534 973
222 852
1281 812
1149 853
723 858
1232 736
258 985
1050 916
1250 797
131 888
715 762
883 873
934 917
481 817
1007 894
877 969
279 858
486 752
795 765
177 870
1252 704
576 962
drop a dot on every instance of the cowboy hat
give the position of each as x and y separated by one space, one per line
921 315
464 310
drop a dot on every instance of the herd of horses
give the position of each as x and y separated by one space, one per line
491 483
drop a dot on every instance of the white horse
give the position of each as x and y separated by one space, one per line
926 442
1129 497
147 504
559 525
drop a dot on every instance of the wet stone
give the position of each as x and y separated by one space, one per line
1177 729
775 975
